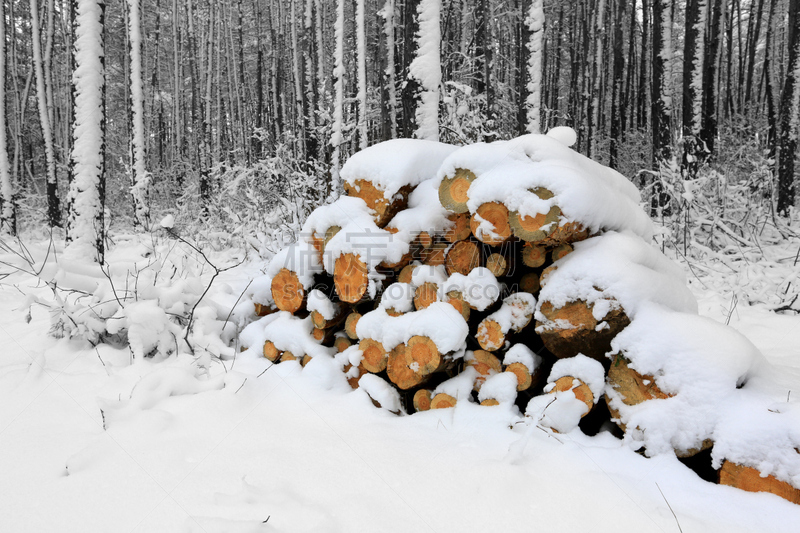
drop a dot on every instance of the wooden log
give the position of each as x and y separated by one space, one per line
530 283
497 264
350 324
422 400
423 240
406 273
462 257
271 352
496 214
535 228
330 233
749 479
339 314
442 401
342 343
565 233
424 352
492 331
456 299
562 250
375 355
287 291
384 209
453 191
264 310
318 242
489 402
525 380
353 380
486 364
289 356
533 255
490 335
401 370
435 255
572 329
305 360
350 276
582 391
425 295
460 229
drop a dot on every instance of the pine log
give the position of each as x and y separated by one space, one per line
375 355
455 299
271 352
423 240
572 329
424 352
401 371
330 233
422 400
342 343
353 381
460 230
538 227
489 402
486 364
339 314
350 324
530 283
496 214
287 291
562 250
305 360
435 255
749 479
406 273
442 401
497 265
490 335
533 255
453 191
383 208
264 310
568 232
582 391
525 380
462 257
425 295
289 356
350 276
318 242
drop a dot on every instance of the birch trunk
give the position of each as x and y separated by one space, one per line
533 103
8 223
140 179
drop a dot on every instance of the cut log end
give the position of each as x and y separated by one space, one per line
459 231
496 214
490 402
497 265
442 401
341 344
289 356
384 209
406 274
264 310
572 329
530 283
401 371
287 291
353 380
749 479
582 391
375 355
561 251
350 276
455 299
271 352
533 255
423 355
422 400
350 324
453 192
425 295
462 257
435 255
524 377
490 335
485 364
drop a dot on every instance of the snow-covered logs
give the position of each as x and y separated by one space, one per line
451 276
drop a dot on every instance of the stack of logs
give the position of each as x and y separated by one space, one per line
519 252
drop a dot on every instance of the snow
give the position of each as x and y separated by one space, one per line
317 301
380 391
297 446
398 296
501 387
428 274
393 164
535 23
460 386
616 269
587 192
583 368
519 353
439 321
479 288
560 411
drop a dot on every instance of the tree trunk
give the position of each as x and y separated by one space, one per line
790 117
427 70
388 92
338 106
533 103
693 68
138 171
8 222
617 122
708 130
86 198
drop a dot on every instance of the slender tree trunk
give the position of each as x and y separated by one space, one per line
45 112
790 117
361 61
389 92
533 103
410 92
711 74
427 70
752 40
645 82
8 219
140 179
86 198
617 120
338 106
661 97
693 68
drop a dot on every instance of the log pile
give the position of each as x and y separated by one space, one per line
484 275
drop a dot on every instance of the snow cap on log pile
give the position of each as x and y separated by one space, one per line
479 288
397 163
440 322
698 363
424 213
587 192
616 267
286 332
300 258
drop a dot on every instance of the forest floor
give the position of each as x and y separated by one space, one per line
281 448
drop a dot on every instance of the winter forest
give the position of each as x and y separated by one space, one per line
400 265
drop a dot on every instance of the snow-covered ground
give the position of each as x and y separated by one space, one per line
95 440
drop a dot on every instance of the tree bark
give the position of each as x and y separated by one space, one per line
790 117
